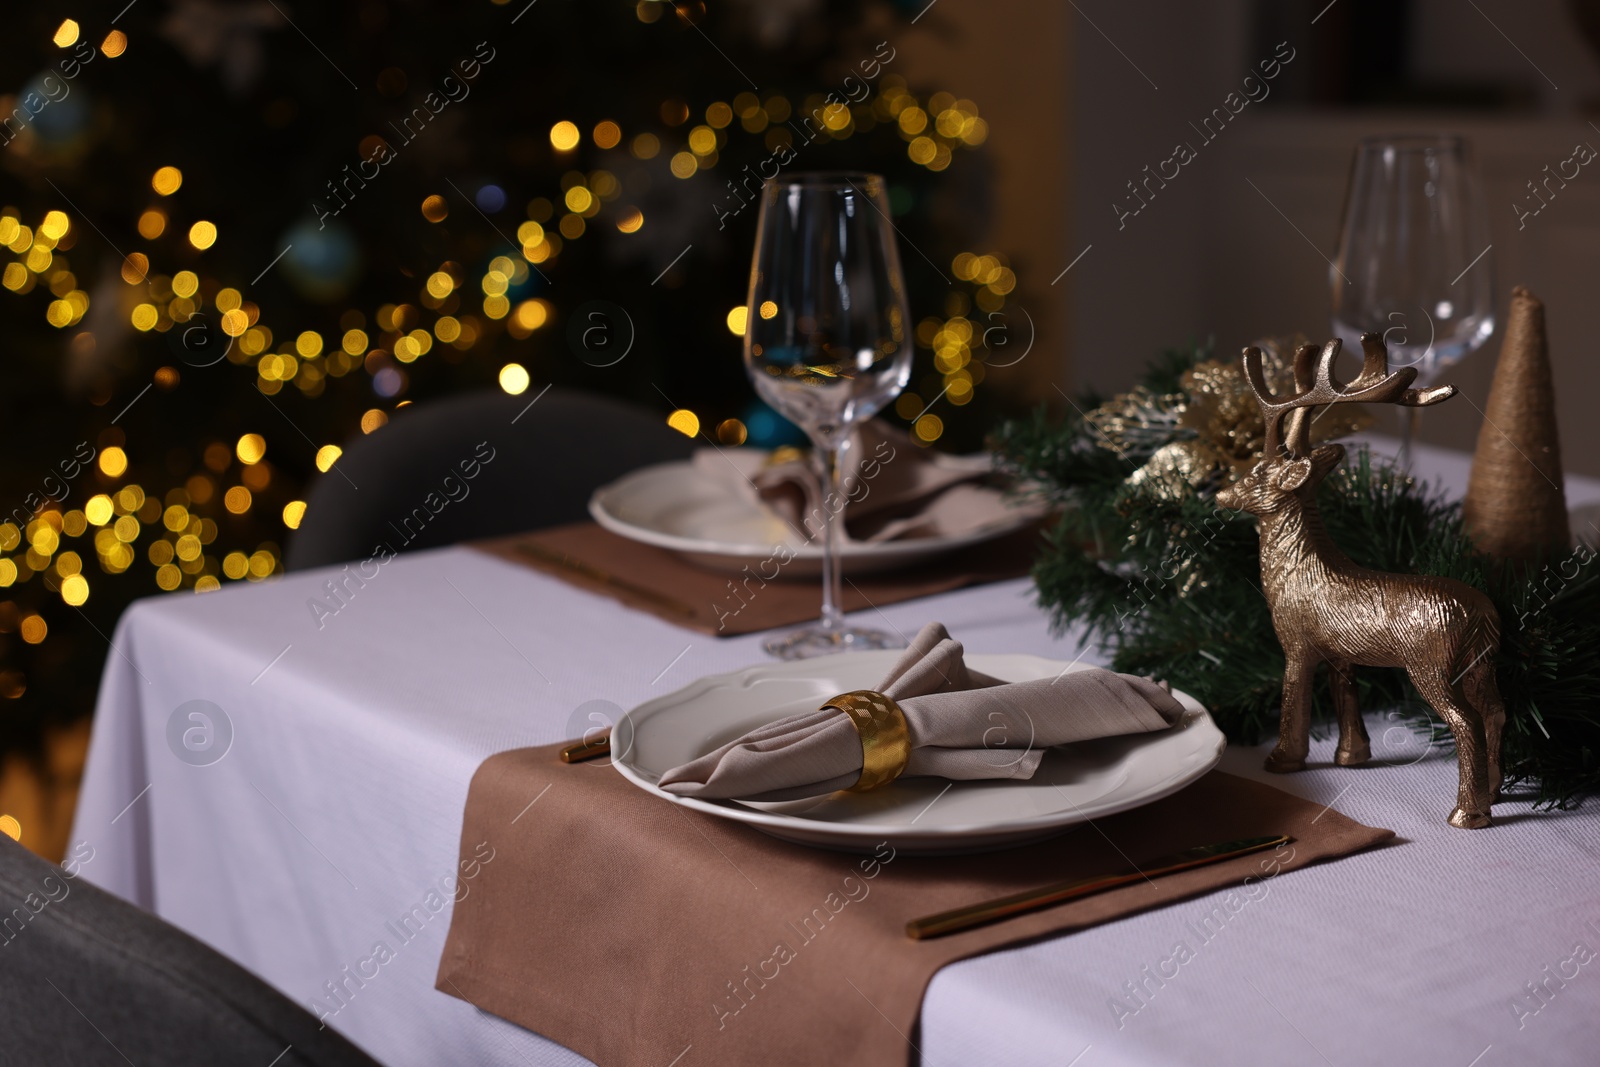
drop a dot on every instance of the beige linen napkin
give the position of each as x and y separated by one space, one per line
963 725
892 488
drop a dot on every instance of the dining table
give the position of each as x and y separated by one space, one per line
286 783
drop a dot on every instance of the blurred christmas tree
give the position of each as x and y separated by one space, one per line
241 232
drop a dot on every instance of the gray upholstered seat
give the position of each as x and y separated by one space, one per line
87 978
482 464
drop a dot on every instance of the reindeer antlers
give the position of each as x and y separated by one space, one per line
1315 386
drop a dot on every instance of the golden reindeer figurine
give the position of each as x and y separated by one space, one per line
1326 609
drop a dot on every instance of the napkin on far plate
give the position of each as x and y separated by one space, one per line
892 487
963 725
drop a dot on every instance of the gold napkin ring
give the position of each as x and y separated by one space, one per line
885 737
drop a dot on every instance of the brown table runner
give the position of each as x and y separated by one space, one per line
664 584
627 928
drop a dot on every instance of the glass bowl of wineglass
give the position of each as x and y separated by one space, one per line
1414 260
827 344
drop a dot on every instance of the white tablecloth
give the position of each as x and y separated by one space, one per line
337 807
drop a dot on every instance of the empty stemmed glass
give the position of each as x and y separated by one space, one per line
826 343
1414 261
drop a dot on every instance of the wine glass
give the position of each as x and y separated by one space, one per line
1414 261
826 343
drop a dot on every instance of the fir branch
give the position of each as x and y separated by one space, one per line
1172 589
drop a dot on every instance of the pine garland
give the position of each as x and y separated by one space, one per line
1171 587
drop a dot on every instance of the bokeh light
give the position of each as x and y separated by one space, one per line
251 448
685 422
564 136
75 589
514 378
167 181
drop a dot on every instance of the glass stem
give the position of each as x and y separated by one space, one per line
1408 432
832 523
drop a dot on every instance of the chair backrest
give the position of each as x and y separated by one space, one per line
481 464
88 978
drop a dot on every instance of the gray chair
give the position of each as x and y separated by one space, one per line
87 978
481 464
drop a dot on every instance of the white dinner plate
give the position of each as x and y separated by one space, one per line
1074 783
707 520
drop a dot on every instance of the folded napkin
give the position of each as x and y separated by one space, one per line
963 725
892 487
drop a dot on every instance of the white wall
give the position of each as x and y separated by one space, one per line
1141 72
1453 41
1211 254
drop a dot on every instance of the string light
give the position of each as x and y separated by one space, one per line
932 130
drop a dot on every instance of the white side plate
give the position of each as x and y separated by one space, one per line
1074 783
676 507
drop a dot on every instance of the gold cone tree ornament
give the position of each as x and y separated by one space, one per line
1516 508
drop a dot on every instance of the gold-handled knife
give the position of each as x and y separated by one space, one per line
957 919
